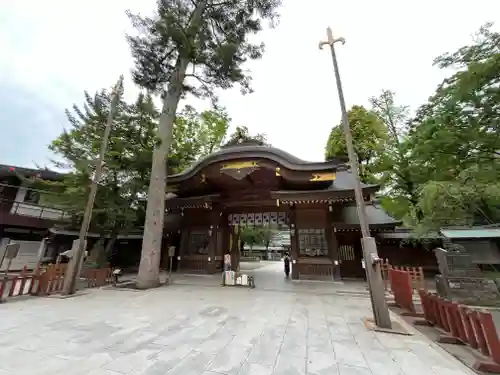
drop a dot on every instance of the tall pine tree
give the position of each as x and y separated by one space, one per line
193 46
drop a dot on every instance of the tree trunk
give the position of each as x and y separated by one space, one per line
96 251
104 260
149 267
235 249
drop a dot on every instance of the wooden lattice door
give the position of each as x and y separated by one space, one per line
350 256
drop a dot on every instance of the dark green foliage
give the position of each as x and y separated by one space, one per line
120 200
196 135
242 135
455 138
369 138
212 36
442 166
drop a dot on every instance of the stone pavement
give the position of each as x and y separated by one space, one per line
185 330
269 276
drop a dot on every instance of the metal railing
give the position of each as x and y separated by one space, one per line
32 210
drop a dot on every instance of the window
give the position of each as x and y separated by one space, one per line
198 243
312 243
32 197
347 252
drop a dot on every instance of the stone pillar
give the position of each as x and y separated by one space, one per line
294 243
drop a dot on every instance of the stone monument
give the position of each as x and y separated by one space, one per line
460 279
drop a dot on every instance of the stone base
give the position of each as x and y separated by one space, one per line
422 322
412 314
397 328
147 285
446 339
78 293
486 366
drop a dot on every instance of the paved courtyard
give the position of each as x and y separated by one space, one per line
187 330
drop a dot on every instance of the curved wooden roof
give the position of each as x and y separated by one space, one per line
247 151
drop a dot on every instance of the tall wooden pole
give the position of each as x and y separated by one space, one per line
73 269
372 266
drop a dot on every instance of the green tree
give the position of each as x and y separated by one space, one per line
196 135
119 204
455 137
369 138
210 37
252 236
241 135
400 174
121 188
472 198
267 236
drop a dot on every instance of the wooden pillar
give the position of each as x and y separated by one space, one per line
183 245
215 218
223 239
334 251
333 246
294 243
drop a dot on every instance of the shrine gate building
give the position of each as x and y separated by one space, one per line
249 184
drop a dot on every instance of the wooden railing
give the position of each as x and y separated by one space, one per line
464 325
402 289
49 280
18 285
416 275
97 277
32 210
314 269
197 264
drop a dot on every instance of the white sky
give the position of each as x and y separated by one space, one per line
53 50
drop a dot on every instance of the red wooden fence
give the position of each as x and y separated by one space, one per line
43 282
402 289
17 285
464 325
51 280
416 274
97 277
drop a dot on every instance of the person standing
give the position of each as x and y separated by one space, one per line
227 261
227 267
287 260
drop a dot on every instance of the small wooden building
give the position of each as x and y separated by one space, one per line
24 216
254 184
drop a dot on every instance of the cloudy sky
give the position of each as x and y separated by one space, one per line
53 50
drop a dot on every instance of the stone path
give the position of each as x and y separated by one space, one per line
269 276
185 330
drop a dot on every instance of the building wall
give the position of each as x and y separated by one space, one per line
411 256
29 241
